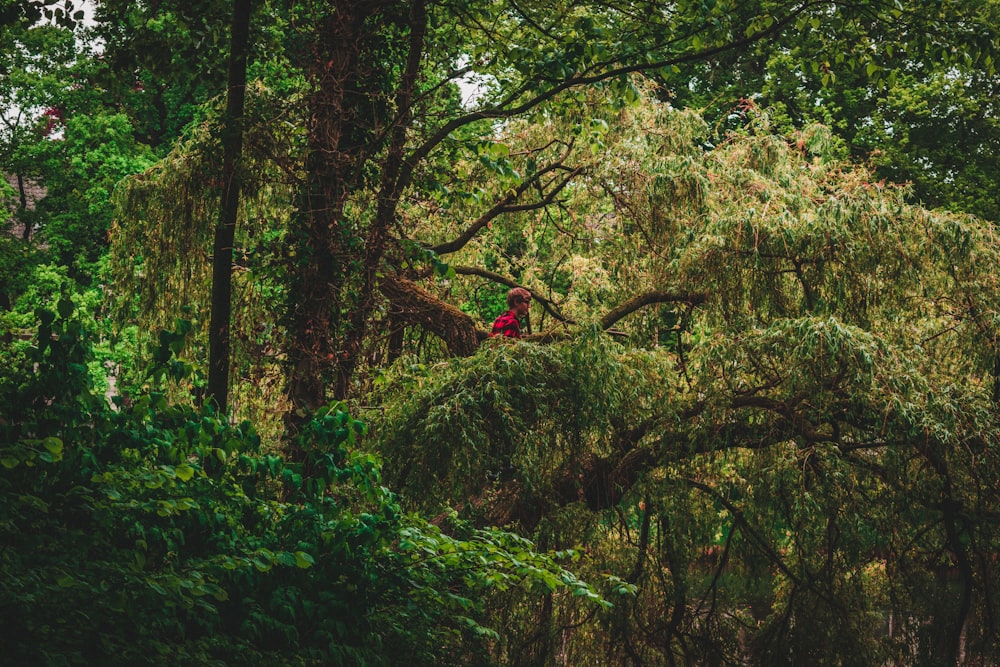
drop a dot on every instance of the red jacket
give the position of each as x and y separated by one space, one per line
507 325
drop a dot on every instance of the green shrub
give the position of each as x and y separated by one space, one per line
151 533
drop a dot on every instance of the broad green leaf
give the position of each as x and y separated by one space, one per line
184 472
304 560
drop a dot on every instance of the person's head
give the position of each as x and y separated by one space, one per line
519 300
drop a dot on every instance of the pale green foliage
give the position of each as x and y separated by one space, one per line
536 408
806 419
163 224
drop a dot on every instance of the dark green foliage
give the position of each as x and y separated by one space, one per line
161 61
162 535
722 551
915 94
798 439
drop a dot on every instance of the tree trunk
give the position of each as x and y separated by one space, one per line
225 231
393 178
324 248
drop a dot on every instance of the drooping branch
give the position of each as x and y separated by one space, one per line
646 299
752 535
598 481
601 481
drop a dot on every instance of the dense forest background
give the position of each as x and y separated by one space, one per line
250 413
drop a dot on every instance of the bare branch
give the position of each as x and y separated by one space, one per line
501 111
740 520
506 205
630 306
646 299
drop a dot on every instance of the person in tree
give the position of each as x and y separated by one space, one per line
518 305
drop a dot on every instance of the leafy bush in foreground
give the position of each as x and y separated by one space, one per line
160 534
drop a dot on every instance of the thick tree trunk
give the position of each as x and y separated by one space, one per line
599 482
323 248
394 176
225 231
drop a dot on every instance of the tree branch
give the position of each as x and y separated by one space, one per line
411 305
500 111
646 299
506 205
753 536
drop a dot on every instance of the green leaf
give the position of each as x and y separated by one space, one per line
54 446
216 592
184 472
45 316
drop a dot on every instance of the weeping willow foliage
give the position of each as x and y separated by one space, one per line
538 409
804 472
163 227
162 236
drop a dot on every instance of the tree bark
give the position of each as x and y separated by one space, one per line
225 231
646 299
413 306
322 253
393 180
